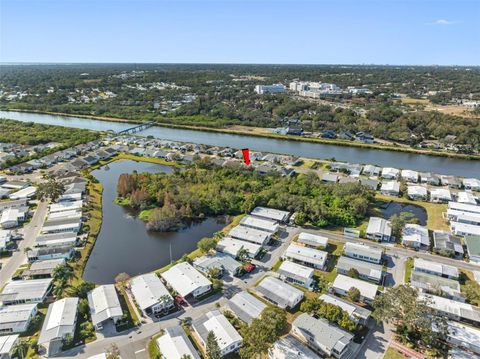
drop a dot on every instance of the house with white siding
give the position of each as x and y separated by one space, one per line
307 256
186 280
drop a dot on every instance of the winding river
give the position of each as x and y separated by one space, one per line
436 164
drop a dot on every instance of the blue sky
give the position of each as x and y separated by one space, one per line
251 31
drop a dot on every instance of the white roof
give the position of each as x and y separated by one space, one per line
73 226
250 234
7 343
104 304
10 215
306 254
232 246
459 309
271 213
260 223
390 186
469 229
217 323
463 333
65 214
472 182
174 344
148 290
367 290
441 193
435 267
463 216
19 290
467 198
390 171
353 310
291 269
246 306
279 291
65 206
417 191
185 279
312 239
379 225
60 320
363 249
415 233
24 193
16 313
409 174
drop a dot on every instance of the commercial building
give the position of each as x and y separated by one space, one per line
366 270
227 336
251 235
232 247
174 344
271 213
290 348
279 293
322 336
415 236
245 306
224 263
296 274
435 268
7 345
355 312
312 240
262 224
16 318
363 252
379 230
104 305
342 284
275 88
307 256
150 294
25 291
59 324
186 280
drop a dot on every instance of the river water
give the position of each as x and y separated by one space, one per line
436 164
124 244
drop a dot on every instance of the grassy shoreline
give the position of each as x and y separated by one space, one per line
237 131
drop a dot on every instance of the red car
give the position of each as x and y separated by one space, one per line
248 267
179 300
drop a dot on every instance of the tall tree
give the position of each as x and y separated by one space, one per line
213 350
51 189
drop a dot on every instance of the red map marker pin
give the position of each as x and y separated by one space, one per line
246 156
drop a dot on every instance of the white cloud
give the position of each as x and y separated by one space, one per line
443 22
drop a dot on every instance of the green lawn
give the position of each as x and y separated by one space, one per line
393 354
408 269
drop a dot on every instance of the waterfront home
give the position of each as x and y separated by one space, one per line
75 187
370 183
16 318
281 294
224 263
464 229
262 224
473 248
312 240
42 269
329 177
66 239
65 206
150 294
451 181
471 184
363 252
26 291
464 336
27 192
290 348
232 247
70 197
342 284
104 306
68 225
451 308
321 336
466 197
227 336
429 178
245 306
440 195
58 325
464 207
91 159
415 236
445 242
8 345
433 284
370 170
409 176
390 173
271 213
366 270
186 280
296 274
251 235
417 193
307 256
46 253
379 229
79 164
356 313
390 188
174 344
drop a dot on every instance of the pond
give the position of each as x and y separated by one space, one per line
124 244
413 211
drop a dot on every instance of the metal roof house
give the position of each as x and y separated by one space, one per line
390 188
415 236
342 284
463 217
42 269
435 268
473 248
452 309
150 294
271 213
16 318
46 253
262 224
440 195
281 294
290 347
363 252
417 192
245 306
379 229
366 270
464 230
409 176
186 280
25 291
312 240
227 336
309 257
65 206
356 313
232 246
296 274
70 225
104 305
221 261
251 235
59 323
433 284
445 241
322 336
7 345
390 173
174 344
463 336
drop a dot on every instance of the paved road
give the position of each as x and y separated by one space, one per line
30 232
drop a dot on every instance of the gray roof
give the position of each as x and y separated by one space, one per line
219 260
104 304
246 306
291 348
364 268
215 321
43 267
149 290
362 249
432 282
351 308
21 290
60 320
445 240
323 332
277 291
16 313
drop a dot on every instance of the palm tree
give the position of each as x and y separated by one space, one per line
21 348
61 276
